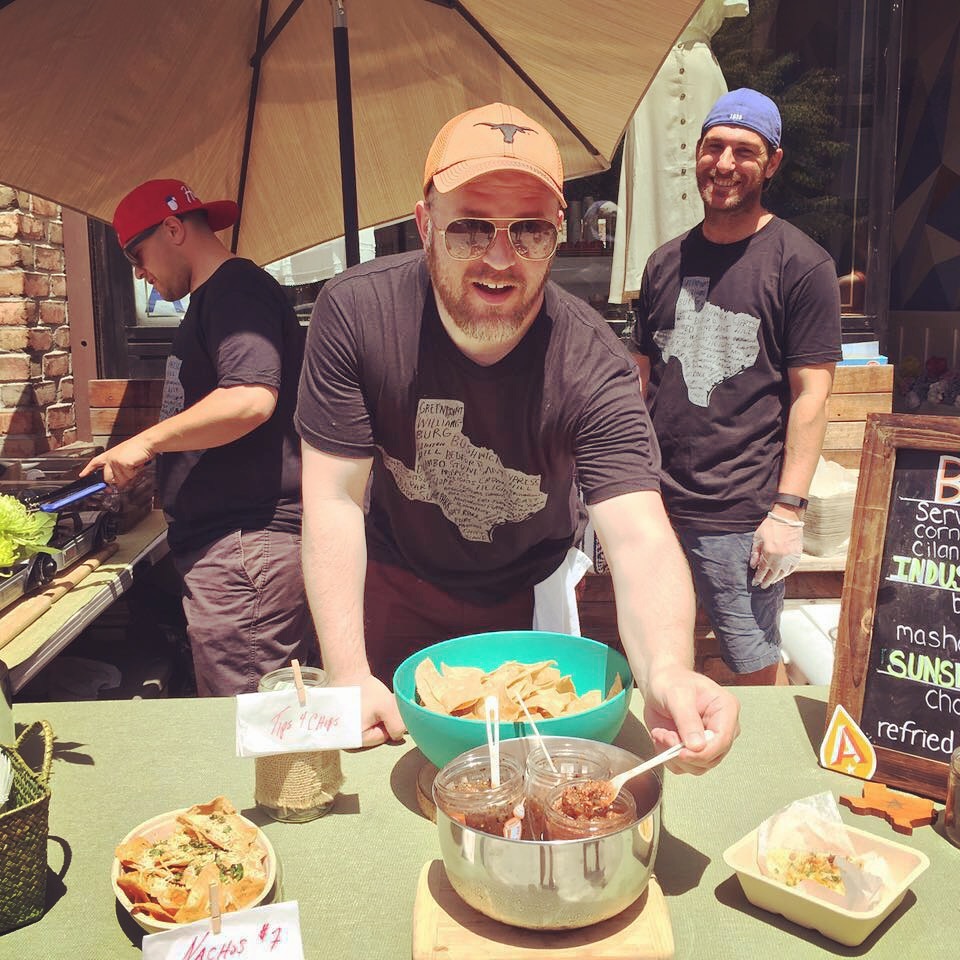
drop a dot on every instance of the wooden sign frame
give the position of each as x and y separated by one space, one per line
884 435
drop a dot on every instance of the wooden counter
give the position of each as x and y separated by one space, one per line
28 652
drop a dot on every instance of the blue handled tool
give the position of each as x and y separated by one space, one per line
63 496
54 505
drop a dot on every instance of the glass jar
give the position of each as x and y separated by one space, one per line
296 787
951 809
558 826
462 791
570 764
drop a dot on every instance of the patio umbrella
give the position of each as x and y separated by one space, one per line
239 97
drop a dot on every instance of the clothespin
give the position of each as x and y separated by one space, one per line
298 682
215 908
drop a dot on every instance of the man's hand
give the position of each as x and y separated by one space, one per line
679 706
379 715
122 463
777 546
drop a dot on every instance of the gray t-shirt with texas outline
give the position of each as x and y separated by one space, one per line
475 468
722 324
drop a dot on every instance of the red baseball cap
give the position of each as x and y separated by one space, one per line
494 137
152 202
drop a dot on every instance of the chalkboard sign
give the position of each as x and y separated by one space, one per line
897 664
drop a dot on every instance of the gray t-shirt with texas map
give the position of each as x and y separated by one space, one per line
721 324
475 468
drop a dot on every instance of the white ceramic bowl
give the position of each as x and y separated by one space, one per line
162 826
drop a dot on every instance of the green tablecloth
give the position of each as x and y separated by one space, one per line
354 872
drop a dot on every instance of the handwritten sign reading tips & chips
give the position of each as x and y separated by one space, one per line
275 722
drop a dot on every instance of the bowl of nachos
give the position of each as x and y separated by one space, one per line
163 868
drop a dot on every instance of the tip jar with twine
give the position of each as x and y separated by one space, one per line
296 787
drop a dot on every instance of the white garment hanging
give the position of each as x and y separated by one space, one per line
555 599
658 198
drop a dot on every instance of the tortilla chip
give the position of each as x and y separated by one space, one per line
154 911
197 904
426 677
588 701
460 691
134 853
615 687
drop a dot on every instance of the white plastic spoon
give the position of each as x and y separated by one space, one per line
536 732
491 713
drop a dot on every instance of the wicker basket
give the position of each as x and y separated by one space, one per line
23 835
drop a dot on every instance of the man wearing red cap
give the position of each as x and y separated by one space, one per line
228 470
482 396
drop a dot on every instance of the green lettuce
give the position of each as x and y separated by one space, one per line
23 532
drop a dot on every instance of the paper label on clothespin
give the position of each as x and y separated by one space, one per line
845 747
269 931
275 722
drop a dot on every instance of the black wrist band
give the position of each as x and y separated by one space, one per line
790 500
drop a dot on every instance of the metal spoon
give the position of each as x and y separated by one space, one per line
599 794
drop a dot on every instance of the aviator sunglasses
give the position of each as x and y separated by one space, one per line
469 238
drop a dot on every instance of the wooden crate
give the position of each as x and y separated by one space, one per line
857 391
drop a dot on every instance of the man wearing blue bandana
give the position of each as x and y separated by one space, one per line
737 337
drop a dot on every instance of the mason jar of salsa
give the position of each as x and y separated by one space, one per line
574 813
462 790
570 764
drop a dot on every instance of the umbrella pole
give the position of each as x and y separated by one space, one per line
348 160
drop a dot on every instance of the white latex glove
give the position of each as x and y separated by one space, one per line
777 546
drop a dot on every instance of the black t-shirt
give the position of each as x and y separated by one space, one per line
721 324
238 329
475 468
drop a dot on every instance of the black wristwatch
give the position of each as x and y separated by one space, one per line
791 500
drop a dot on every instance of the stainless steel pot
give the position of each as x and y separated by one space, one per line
556 884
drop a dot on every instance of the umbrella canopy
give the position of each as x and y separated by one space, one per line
100 95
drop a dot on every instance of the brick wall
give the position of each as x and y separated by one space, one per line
36 385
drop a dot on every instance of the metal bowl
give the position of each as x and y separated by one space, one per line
556 884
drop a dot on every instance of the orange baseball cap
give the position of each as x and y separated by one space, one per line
490 138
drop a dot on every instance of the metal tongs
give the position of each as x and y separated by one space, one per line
55 500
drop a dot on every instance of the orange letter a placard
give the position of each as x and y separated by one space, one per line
846 749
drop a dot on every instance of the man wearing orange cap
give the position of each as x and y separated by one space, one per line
228 473
482 396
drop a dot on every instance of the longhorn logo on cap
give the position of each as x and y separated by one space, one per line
509 130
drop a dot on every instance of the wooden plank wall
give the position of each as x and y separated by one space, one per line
121 408
857 391
118 410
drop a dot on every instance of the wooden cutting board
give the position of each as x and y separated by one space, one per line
445 928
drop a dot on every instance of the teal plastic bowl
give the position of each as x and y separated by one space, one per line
591 665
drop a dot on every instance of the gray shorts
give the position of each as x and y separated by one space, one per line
745 618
